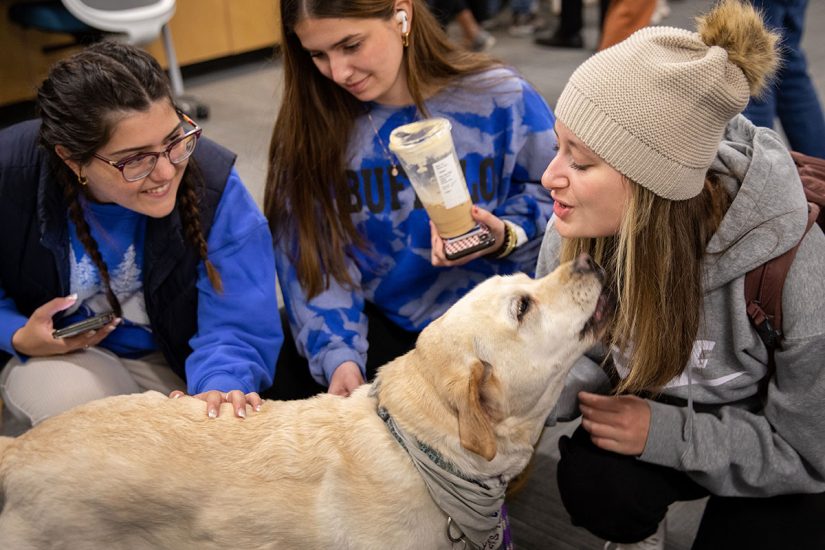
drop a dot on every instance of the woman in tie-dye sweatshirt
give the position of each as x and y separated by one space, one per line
360 270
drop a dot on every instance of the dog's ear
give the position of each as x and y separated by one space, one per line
475 417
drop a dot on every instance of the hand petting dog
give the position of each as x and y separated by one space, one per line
215 398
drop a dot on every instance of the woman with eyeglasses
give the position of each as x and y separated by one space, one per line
111 203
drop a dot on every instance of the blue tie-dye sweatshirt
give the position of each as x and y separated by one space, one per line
503 134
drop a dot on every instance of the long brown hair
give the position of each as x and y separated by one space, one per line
654 264
306 182
78 103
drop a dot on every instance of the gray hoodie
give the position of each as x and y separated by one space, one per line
740 447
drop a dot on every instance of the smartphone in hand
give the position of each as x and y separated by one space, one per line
477 238
92 323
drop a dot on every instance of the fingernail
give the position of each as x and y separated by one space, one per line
72 297
92 332
110 328
213 413
242 412
176 396
257 408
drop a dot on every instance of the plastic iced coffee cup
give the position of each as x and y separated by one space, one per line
426 152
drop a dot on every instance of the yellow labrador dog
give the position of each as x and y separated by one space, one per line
417 460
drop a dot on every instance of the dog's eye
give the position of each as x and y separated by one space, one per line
522 306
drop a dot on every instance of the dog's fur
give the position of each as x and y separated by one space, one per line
145 471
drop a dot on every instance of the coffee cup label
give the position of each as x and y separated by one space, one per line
450 182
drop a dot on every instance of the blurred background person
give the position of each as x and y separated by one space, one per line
792 97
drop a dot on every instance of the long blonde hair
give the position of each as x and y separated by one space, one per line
655 261
654 265
306 181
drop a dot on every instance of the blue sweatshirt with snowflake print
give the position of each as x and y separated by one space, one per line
503 134
237 340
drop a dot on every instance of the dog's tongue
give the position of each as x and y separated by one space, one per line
603 305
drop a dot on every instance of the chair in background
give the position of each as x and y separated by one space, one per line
134 21
51 16
140 20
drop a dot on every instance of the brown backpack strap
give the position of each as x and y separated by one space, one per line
812 173
763 292
763 285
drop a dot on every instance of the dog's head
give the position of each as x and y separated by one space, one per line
497 358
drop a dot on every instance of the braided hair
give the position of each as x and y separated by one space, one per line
75 104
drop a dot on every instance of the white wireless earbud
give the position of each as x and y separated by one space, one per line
401 17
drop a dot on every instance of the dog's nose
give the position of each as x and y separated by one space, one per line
585 264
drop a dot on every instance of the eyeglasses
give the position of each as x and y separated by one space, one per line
138 166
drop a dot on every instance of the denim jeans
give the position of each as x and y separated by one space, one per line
792 97
522 6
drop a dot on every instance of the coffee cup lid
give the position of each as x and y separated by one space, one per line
414 133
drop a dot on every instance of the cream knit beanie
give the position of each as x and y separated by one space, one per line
655 106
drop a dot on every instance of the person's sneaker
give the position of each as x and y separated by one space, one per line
559 40
501 20
525 24
482 41
656 541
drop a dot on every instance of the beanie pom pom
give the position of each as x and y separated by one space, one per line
738 28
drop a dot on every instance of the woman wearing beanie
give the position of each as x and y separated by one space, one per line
678 197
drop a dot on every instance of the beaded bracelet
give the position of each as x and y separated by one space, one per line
509 242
